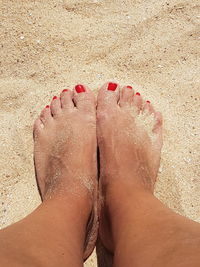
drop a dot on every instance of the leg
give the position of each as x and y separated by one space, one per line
134 225
65 161
53 235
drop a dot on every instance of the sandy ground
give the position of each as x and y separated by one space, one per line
47 46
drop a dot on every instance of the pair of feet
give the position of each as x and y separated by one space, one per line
128 132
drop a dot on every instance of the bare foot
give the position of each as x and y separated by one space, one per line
129 133
65 153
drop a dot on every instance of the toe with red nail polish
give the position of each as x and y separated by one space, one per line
148 102
129 87
112 86
79 88
138 93
65 90
47 106
55 97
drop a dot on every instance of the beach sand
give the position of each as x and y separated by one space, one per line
47 46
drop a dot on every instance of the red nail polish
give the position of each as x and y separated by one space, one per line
65 90
112 86
47 106
138 94
55 97
130 87
148 102
79 88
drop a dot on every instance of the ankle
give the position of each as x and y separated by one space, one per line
116 190
71 205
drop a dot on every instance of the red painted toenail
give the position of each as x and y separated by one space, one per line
137 93
47 106
65 90
130 87
79 88
55 97
148 102
112 86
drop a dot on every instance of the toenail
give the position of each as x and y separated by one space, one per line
47 106
112 86
65 90
148 102
55 97
79 88
130 87
138 94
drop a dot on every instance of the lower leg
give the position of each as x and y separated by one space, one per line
53 235
147 233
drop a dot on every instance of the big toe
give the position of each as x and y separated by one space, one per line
108 96
84 98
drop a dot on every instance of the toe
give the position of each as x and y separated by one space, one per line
84 98
37 127
66 99
55 106
126 96
138 102
45 115
148 108
108 95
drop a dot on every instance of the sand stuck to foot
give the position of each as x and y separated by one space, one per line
47 46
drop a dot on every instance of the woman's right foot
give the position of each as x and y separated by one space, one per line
129 133
65 155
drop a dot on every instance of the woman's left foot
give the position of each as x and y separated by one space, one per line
65 152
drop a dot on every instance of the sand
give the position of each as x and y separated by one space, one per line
47 46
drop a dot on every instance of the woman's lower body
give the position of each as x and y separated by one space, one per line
134 225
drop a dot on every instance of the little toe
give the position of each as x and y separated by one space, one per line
55 106
126 96
37 127
108 95
66 99
84 98
138 102
45 115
